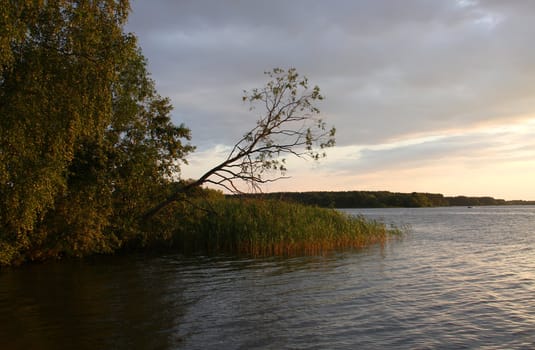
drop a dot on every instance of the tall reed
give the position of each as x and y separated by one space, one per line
269 227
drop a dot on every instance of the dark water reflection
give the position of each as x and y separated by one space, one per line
464 278
105 304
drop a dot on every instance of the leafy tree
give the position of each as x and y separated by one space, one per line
289 126
114 180
85 141
58 61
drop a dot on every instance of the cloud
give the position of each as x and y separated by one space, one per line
391 70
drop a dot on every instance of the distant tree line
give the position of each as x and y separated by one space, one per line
383 199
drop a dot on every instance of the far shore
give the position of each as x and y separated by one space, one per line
384 199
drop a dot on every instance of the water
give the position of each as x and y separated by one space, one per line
463 278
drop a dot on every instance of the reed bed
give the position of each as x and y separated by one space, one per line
268 227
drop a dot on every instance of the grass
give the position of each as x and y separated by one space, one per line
214 224
269 227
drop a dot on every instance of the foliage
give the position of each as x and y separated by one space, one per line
86 143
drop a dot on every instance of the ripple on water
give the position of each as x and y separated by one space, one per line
461 279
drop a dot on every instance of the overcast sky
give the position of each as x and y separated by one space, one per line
427 96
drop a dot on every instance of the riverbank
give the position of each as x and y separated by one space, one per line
209 223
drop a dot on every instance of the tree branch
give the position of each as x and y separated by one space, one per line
290 127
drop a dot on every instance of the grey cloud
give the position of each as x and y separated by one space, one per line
388 68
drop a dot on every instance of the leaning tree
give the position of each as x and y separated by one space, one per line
290 125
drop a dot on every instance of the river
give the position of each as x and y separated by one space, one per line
463 278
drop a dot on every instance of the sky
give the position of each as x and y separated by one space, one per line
426 96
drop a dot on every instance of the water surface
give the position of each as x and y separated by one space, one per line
463 278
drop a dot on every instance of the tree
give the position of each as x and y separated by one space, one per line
86 143
113 180
290 126
58 59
